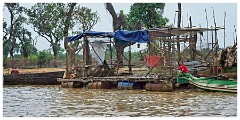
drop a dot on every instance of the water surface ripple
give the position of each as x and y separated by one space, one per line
53 101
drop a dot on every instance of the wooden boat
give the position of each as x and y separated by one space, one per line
208 83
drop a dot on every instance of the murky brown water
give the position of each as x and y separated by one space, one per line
53 101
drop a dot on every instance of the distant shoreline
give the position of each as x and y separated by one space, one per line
37 70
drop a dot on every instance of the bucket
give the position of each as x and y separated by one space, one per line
162 87
99 85
125 85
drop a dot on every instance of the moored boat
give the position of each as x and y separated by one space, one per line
208 83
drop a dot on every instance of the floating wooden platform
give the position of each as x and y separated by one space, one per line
111 79
120 82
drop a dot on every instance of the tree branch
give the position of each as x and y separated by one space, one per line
45 37
111 10
67 24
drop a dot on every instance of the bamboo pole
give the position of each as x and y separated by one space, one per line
216 49
224 29
179 26
207 30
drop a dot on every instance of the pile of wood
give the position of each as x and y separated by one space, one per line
228 57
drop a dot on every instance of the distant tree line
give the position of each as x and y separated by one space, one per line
47 20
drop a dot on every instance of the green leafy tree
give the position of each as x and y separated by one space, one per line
149 15
11 31
5 32
85 19
47 19
26 46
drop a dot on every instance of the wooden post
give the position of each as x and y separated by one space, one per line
191 40
216 45
213 71
84 58
88 61
149 50
178 25
236 34
130 58
179 14
111 52
200 40
207 30
224 28
194 46
86 55
169 57
164 49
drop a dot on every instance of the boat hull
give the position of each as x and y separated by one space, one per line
213 88
211 84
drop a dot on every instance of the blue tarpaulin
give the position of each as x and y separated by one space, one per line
90 33
140 36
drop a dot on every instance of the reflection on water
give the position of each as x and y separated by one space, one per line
53 101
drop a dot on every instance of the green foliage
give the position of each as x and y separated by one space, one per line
149 14
16 48
33 57
6 49
5 32
85 18
123 22
5 58
61 54
44 57
18 56
47 20
11 30
26 46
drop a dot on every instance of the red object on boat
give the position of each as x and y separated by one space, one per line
219 68
15 71
153 60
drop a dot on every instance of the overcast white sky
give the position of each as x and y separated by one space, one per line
195 10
